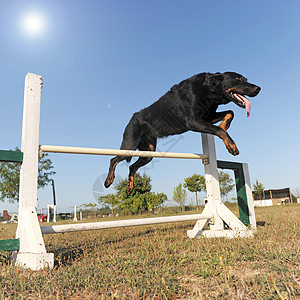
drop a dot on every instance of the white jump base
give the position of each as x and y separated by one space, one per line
121 223
32 253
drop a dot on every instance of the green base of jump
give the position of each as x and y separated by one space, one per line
11 156
9 245
240 188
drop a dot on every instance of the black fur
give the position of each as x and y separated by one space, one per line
189 105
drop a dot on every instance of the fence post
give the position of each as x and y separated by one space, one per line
75 213
32 253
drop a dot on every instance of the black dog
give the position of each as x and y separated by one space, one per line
189 105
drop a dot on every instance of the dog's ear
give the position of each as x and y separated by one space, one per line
213 81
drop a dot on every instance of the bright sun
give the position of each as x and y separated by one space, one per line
33 24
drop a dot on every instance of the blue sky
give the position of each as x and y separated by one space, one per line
103 60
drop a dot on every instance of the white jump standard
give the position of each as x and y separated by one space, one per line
32 253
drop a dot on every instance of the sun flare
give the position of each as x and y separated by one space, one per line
33 24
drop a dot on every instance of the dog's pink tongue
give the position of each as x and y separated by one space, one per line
247 104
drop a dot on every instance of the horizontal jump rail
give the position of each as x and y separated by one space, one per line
98 151
122 223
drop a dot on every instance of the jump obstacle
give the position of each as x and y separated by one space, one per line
210 223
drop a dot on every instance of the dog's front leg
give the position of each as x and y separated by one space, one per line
205 127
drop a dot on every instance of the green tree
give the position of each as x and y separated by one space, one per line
89 206
180 195
296 192
110 199
45 171
195 184
10 177
140 199
225 182
258 189
154 200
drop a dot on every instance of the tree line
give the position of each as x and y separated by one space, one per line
143 200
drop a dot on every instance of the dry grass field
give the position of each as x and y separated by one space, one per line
160 262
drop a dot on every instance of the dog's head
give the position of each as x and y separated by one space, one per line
236 87
233 87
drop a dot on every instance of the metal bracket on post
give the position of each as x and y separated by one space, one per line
41 153
205 161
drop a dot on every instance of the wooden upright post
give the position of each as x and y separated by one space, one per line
32 253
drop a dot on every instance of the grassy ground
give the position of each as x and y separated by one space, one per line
160 262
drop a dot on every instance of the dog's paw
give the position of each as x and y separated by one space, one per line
231 147
107 184
109 180
235 151
129 190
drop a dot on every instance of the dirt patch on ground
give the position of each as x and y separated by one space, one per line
213 288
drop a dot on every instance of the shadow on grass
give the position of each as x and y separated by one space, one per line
261 223
64 256
67 255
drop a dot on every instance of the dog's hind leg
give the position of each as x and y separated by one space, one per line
131 139
111 172
142 161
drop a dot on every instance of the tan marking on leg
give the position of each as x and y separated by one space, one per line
225 123
130 184
151 147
